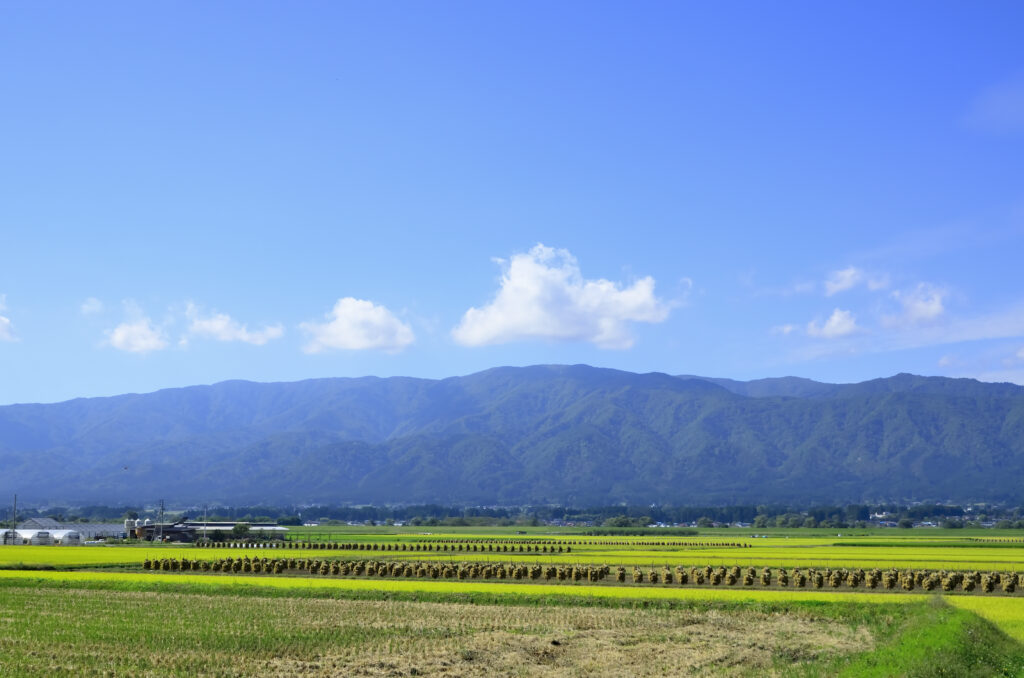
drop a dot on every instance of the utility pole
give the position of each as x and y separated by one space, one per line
204 522
14 527
160 523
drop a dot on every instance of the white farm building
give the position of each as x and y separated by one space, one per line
41 537
47 531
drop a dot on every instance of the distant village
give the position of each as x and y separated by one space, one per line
49 531
263 523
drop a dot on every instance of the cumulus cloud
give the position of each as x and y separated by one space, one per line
784 330
91 306
544 296
839 324
6 331
1007 323
920 305
357 324
850 277
137 336
895 335
222 327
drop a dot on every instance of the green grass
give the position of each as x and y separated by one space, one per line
940 640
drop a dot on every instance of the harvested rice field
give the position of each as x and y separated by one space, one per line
49 631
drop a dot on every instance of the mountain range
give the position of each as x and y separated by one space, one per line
567 434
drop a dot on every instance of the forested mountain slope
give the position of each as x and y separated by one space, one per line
566 434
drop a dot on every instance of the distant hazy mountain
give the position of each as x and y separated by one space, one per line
567 434
795 387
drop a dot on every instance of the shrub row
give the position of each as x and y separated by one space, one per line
997 540
452 546
401 546
889 580
372 568
702 544
241 544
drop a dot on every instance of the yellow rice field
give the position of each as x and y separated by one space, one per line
432 586
1006 613
803 552
775 554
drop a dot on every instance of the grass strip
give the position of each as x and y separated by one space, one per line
938 640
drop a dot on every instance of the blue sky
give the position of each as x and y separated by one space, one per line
194 192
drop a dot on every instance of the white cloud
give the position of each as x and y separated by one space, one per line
685 288
137 336
922 304
1001 376
1020 353
792 289
1000 109
840 281
850 277
839 324
1007 323
1002 324
357 324
222 327
783 329
878 282
802 287
6 331
91 306
544 296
